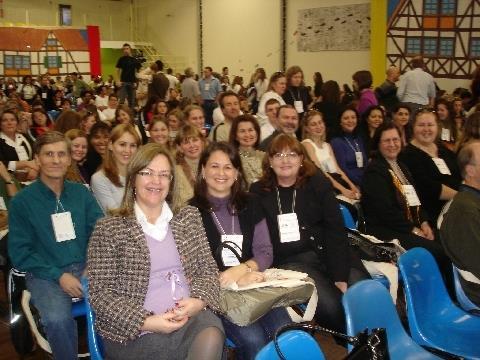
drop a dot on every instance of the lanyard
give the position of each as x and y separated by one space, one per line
293 95
61 206
220 225
350 144
293 201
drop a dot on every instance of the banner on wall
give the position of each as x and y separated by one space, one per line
334 28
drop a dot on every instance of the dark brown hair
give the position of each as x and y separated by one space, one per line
233 130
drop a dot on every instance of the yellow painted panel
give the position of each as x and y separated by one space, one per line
378 40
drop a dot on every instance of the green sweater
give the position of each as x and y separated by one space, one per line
32 246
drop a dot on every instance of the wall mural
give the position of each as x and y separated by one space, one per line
334 28
446 33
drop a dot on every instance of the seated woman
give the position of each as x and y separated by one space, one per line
194 116
15 148
108 184
160 109
175 122
245 137
400 117
79 145
124 115
349 148
433 167
68 120
276 88
41 123
446 121
159 134
88 120
390 202
321 153
372 118
190 144
97 148
227 210
153 282
471 131
306 226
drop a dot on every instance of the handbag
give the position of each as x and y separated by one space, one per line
244 306
369 250
366 346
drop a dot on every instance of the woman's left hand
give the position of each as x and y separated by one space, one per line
189 307
427 231
341 285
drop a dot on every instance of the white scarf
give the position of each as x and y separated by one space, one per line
157 231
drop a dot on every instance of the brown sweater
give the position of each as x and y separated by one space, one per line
119 270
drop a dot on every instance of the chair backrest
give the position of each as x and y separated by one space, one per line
294 344
95 345
347 217
462 298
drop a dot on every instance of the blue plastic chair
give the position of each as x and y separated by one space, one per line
347 218
295 345
433 318
369 305
95 345
462 298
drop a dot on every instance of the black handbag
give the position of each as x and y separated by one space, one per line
371 251
366 346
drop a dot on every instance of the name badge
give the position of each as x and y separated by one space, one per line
228 257
288 227
298 106
63 226
3 206
21 153
359 159
207 86
44 95
442 166
445 136
411 195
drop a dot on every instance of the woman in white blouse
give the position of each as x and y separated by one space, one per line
108 183
321 153
276 88
15 149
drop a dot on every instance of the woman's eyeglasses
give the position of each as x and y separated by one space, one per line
290 155
147 174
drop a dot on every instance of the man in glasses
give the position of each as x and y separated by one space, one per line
417 87
460 229
287 123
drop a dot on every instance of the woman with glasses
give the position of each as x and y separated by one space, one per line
306 226
433 167
152 280
108 183
276 89
190 143
229 213
349 147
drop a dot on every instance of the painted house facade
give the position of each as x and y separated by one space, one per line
36 51
445 32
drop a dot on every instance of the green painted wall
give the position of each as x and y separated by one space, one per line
109 60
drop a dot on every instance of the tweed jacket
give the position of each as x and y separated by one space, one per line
119 269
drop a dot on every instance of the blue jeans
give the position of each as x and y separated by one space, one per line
55 308
127 91
249 340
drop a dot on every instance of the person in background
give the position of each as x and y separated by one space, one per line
433 167
349 147
400 117
67 120
79 145
159 134
321 154
276 88
317 86
108 184
372 118
160 109
28 91
297 94
194 116
209 90
295 194
446 119
362 84
87 121
230 107
189 87
270 125
152 281
127 67
190 143
53 259
288 122
175 122
124 115
97 148
227 209
41 123
330 107
386 93
101 99
260 83
471 130
245 137
108 114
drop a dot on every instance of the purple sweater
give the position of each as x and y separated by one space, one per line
261 245
367 99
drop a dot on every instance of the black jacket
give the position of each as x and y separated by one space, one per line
320 221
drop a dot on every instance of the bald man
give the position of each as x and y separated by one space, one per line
387 92
460 229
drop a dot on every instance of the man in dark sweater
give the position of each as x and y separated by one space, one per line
460 229
127 67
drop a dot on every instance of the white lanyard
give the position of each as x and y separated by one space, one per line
356 149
